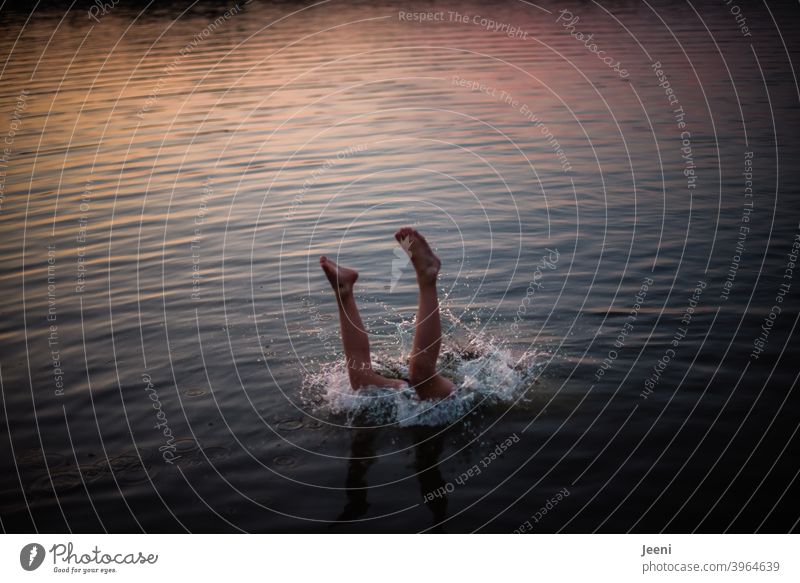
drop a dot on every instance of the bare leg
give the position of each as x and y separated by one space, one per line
354 337
428 334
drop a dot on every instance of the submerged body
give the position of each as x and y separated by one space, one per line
422 372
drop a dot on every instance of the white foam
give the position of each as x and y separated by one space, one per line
486 374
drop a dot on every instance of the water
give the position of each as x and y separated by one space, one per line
170 356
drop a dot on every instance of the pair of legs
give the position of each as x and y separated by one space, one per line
428 329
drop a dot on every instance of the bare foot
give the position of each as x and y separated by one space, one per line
341 278
425 261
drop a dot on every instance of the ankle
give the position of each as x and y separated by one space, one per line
427 278
343 292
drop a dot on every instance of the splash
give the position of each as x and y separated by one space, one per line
486 373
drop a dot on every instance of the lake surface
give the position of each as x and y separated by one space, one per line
615 216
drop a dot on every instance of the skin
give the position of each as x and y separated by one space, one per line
427 382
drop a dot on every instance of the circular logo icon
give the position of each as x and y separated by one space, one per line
31 556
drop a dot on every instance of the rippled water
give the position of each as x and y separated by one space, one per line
171 175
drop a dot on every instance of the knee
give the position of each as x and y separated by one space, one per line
434 387
416 378
358 379
363 376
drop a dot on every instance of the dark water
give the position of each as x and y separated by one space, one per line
172 173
